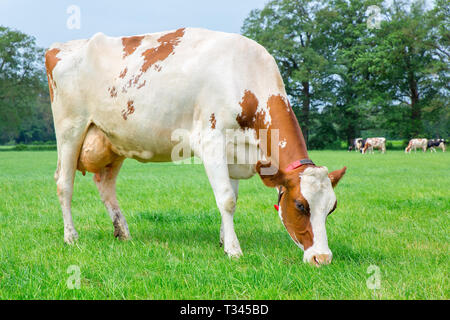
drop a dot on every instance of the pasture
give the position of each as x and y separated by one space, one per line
392 222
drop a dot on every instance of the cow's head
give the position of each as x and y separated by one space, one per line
306 199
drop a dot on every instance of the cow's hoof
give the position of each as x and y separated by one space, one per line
122 235
70 237
235 253
121 230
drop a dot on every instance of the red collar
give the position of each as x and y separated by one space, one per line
298 164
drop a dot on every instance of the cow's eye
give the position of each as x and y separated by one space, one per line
300 206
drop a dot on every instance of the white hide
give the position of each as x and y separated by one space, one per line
379 143
204 78
417 143
207 73
316 188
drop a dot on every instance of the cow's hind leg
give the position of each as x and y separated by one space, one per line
97 156
69 144
106 184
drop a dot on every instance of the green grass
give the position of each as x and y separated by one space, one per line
393 212
29 147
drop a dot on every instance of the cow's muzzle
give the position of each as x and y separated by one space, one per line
320 259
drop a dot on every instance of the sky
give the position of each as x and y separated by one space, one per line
52 21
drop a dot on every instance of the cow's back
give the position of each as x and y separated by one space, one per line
139 89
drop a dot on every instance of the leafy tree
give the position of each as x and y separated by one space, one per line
346 77
290 31
24 101
437 112
404 67
316 45
353 112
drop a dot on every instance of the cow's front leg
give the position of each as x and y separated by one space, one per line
226 202
235 185
223 187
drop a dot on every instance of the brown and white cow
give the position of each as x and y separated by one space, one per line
117 98
417 143
377 143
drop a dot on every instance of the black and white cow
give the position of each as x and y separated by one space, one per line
357 144
436 143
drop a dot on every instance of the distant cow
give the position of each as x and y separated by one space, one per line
359 144
436 143
356 144
371 143
417 143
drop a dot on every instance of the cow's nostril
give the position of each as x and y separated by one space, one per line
321 259
316 260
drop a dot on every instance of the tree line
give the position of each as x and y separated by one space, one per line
351 68
25 113
356 68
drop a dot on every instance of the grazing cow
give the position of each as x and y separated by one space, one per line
117 98
357 144
371 143
436 143
417 143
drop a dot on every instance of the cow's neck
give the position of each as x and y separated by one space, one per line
292 146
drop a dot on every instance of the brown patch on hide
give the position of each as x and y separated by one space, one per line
112 92
167 46
130 44
250 118
50 63
142 84
297 222
213 121
123 73
129 110
283 118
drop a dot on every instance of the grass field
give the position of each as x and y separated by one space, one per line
392 216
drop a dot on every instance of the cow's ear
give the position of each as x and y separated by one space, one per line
270 175
335 176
